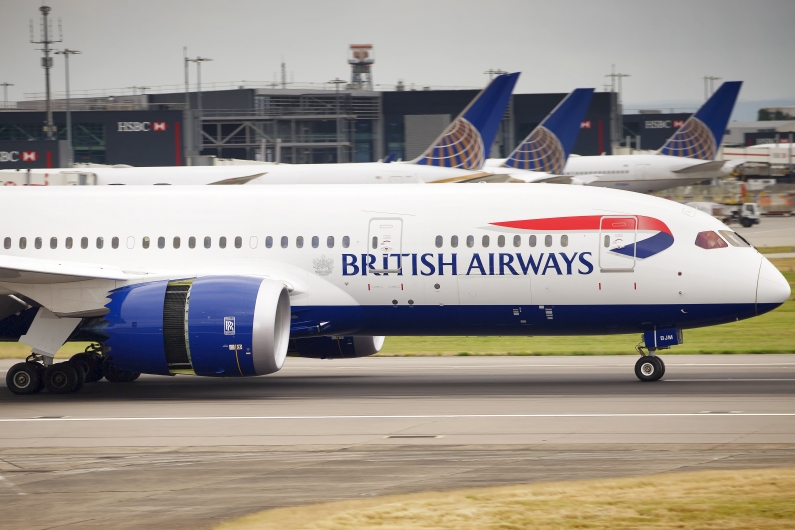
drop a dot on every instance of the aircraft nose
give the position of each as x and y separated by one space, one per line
772 289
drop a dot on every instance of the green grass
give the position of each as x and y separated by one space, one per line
770 333
776 250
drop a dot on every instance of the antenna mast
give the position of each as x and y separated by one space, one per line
46 62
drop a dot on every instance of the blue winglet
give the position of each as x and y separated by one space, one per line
549 145
702 133
466 142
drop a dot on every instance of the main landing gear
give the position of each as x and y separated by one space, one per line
39 372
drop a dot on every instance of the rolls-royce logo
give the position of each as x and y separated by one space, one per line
229 325
323 265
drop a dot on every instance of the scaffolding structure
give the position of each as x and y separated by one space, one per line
298 128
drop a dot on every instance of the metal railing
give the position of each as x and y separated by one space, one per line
59 105
233 85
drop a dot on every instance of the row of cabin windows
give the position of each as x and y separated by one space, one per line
485 241
177 242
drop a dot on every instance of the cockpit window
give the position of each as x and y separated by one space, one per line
734 239
710 240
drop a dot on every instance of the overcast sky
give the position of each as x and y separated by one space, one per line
666 46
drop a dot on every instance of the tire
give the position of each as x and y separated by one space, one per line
61 378
41 369
648 368
747 223
80 369
115 375
91 366
24 379
662 365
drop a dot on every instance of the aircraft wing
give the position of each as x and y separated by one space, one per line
236 181
711 166
45 271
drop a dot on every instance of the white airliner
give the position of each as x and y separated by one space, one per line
456 156
226 281
687 158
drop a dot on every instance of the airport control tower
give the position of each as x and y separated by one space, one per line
361 59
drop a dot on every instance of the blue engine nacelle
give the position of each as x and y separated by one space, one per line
214 325
335 347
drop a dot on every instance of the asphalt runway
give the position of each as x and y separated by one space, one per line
770 232
189 452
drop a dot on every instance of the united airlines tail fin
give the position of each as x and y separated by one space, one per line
466 142
547 148
702 133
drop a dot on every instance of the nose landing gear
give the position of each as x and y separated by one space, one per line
649 368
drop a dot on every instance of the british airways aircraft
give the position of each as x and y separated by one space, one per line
686 158
228 281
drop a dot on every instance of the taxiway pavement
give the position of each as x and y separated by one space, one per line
189 452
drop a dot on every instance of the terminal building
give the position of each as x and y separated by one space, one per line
291 125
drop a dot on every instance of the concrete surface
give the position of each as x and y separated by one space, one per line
188 452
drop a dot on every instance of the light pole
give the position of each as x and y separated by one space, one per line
619 111
5 93
199 61
709 86
337 82
66 53
199 126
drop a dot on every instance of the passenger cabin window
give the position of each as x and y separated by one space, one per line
176 242
53 242
114 242
564 241
454 241
161 242
299 241
346 242
37 242
330 241
191 242
485 241
607 241
83 242
268 242
734 239
547 241
100 242
710 240
315 241
500 241
144 242
517 241
7 243
470 241
439 241
68 242
23 242
222 242
284 241
253 241
375 242
208 242
532 241
238 242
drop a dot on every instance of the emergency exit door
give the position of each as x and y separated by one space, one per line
617 236
385 243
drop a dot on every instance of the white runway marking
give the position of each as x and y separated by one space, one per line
408 416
